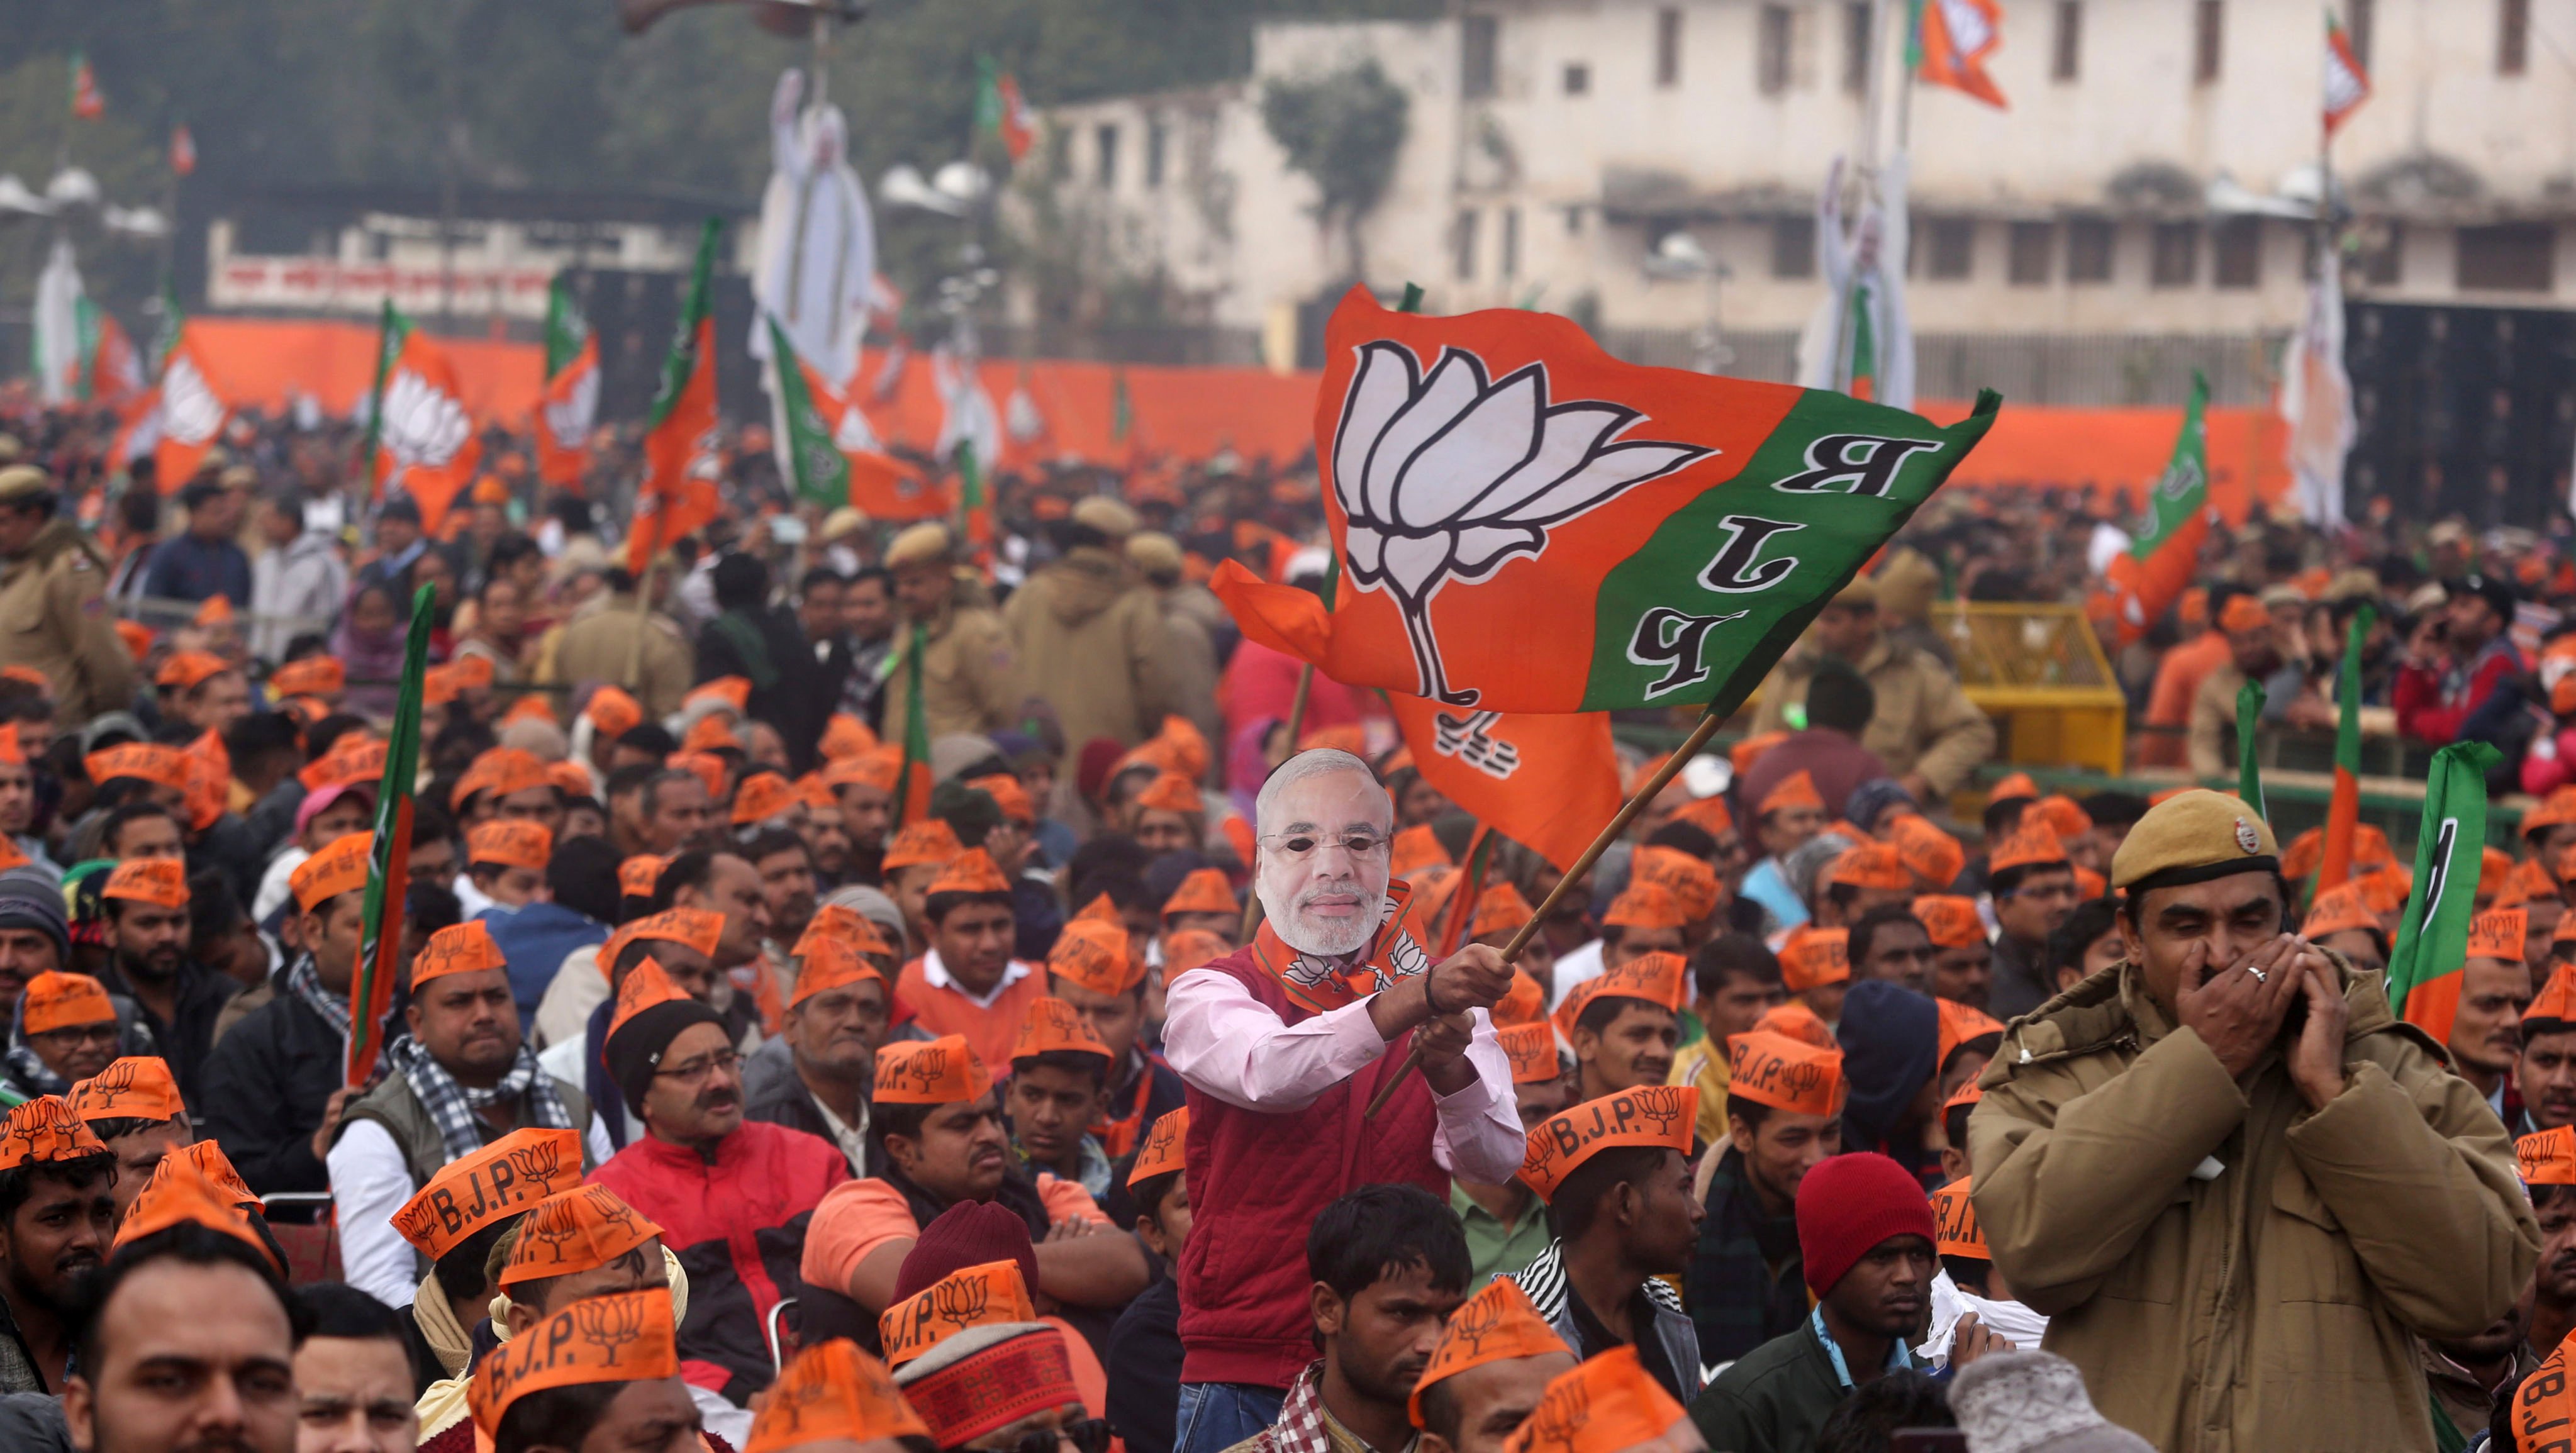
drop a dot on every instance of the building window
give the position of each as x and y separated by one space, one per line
2034 247
2516 257
2174 259
2236 247
1511 243
1578 79
2358 18
1793 247
2513 37
1106 138
1668 47
1771 50
2208 33
1856 46
2088 250
1466 243
1949 244
1155 133
2383 256
2066 46
1477 36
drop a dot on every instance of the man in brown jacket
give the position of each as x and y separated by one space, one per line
969 675
598 647
1925 729
2237 1185
53 602
1089 634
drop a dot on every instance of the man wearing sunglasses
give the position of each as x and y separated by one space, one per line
732 1196
1283 1043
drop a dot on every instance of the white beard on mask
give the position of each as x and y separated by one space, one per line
1321 937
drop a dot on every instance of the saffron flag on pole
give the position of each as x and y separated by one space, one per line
571 402
2433 937
420 440
190 416
680 467
2343 808
371 993
1529 525
830 454
1000 109
111 368
1953 39
1549 783
2347 84
2148 577
88 103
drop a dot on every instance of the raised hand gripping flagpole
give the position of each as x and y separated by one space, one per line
371 992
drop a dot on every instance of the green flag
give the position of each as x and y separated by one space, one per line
814 465
2343 809
2432 939
566 329
166 337
914 803
1122 410
371 992
2249 773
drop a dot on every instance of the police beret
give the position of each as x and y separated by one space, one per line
24 482
2192 836
923 542
1154 552
1108 516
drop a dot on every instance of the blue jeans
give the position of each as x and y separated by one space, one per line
1214 1416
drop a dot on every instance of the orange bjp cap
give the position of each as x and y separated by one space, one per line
1172 792
502 1179
930 840
987 1295
1871 865
1784 1073
1008 795
161 882
972 871
1794 1020
645 986
1691 881
831 963
762 797
2556 1001
940 1071
622 1337
612 713
1497 1324
1162 1152
511 843
1644 905
136 1087
2498 934
2548 1158
1954 1223
150 762
2031 844
845 736
44 1131
1952 921
56 1000
310 676
1656 978
1812 957
637 875
1204 890
1190 948
1526 1003
1608 1404
459 948
1095 956
1500 909
1646 1116
1798 789
579 1228
1960 1024
847 924
1931 855
1054 1027
833 1393
1531 1048
179 1193
2340 909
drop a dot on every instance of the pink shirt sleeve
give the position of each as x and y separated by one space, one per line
1227 1044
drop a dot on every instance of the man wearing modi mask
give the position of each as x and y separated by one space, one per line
1283 1043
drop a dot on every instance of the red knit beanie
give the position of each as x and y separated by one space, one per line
969 1233
1850 1204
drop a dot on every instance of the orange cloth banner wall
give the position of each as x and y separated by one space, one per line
1191 413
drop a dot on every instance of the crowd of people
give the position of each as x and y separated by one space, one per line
944 986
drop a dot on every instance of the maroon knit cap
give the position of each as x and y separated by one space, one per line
971 1233
1091 768
1846 1207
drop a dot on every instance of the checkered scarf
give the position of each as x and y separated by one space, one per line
452 1106
1300 1428
304 981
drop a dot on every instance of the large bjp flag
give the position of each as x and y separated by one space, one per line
680 464
1526 524
1549 783
423 441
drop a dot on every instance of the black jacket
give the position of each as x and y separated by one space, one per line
266 1085
788 688
1145 1347
185 1040
784 1100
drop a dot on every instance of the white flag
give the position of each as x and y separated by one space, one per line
57 325
2316 400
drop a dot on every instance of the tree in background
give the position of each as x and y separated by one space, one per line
1344 130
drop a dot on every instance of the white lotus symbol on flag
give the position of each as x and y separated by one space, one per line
424 425
568 419
190 412
1443 478
853 433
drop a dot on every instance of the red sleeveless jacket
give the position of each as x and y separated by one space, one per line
1258 1181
